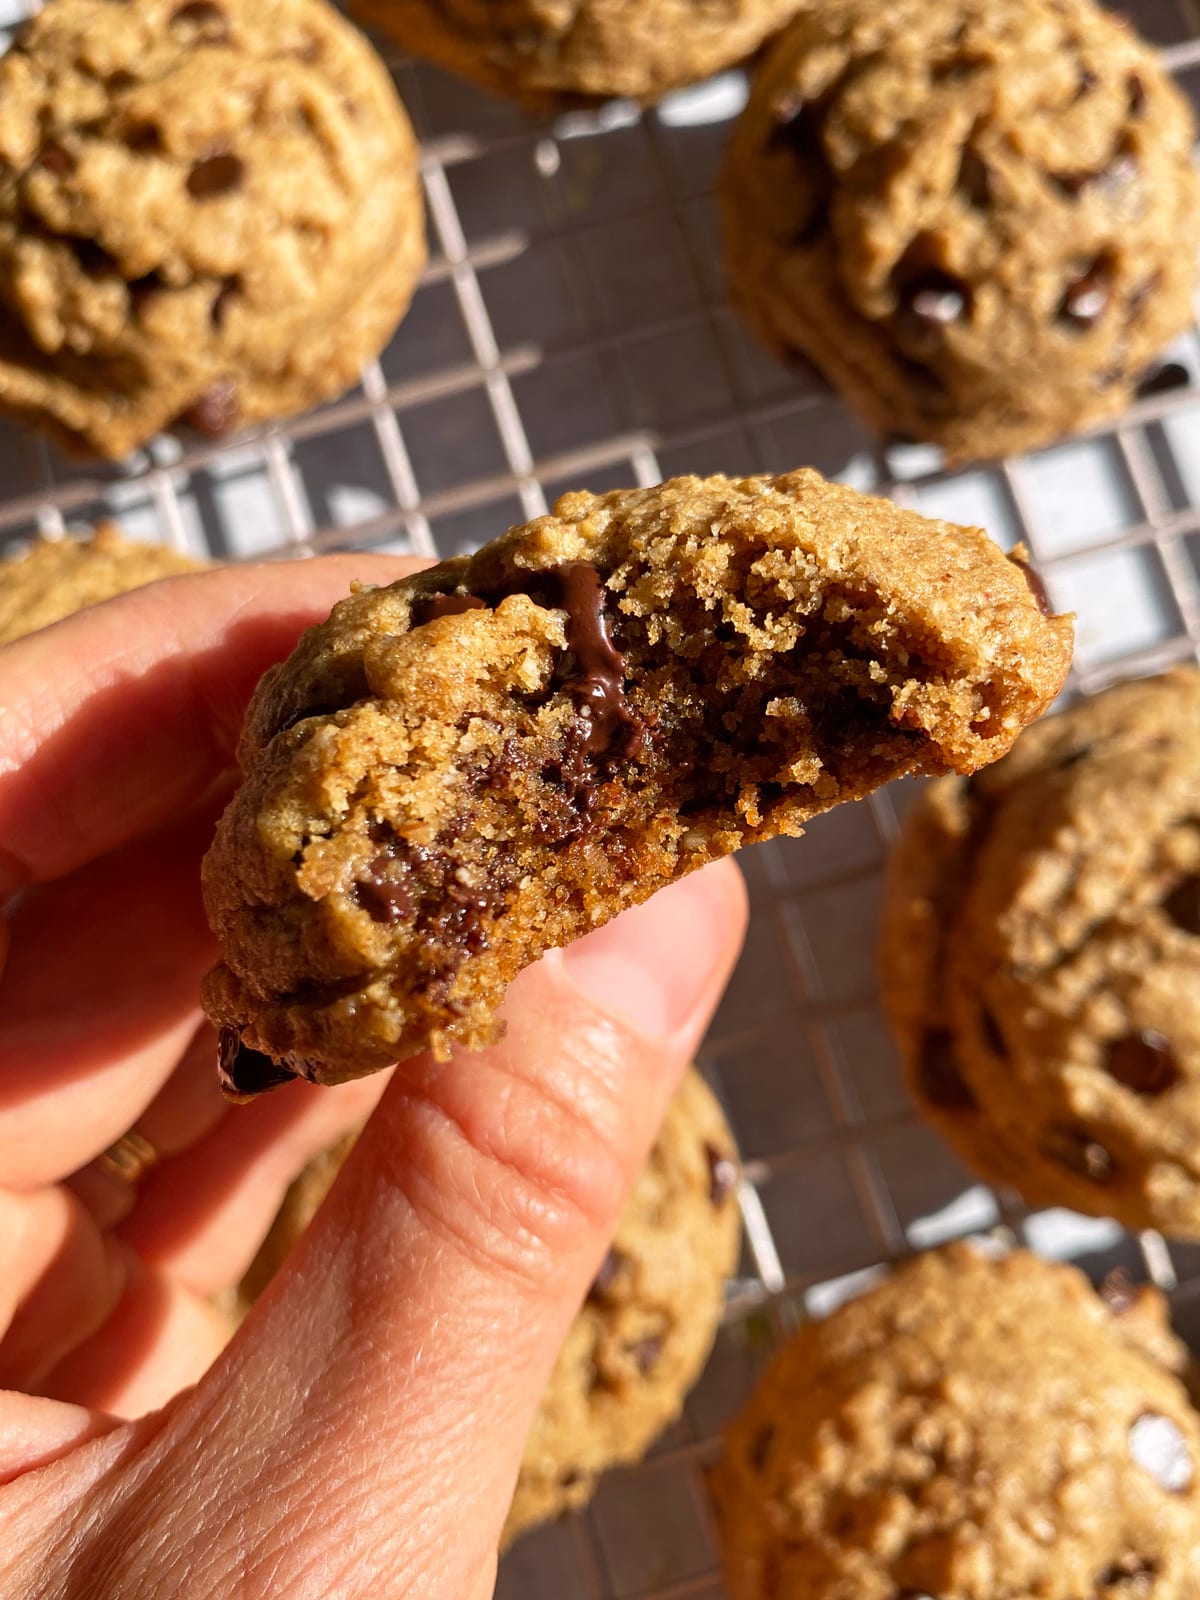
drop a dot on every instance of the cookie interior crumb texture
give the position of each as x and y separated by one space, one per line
1041 958
978 217
57 577
210 214
455 773
972 1429
646 1327
547 55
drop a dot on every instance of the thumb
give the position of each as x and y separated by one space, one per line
362 1434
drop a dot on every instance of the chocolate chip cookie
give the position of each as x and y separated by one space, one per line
209 215
971 1429
1041 958
645 1330
56 577
544 53
978 217
459 771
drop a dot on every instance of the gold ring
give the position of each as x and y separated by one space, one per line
130 1158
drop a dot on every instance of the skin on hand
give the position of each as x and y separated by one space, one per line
362 1432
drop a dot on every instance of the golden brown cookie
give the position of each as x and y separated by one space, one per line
544 53
57 577
971 1429
1041 958
209 214
460 771
978 217
645 1330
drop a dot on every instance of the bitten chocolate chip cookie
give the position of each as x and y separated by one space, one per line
645 1330
978 217
969 1430
457 772
209 214
1041 958
56 577
545 52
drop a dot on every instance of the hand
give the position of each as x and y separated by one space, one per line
361 1433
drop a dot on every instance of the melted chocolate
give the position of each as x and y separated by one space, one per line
449 605
383 898
245 1072
598 682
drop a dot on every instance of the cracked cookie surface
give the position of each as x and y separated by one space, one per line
643 1333
1041 958
971 1429
209 214
462 770
978 217
543 53
56 577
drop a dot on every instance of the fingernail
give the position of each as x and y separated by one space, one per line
656 963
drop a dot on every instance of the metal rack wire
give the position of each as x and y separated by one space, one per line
571 331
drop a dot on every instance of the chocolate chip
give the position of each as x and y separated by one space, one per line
381 896
1037 587
144 138
1110 180
974 179
243 1071
144 291
797 132
215 413
1163 379
56 158
216 175
1119 1292
205 16
1076 1150
646 1353
1087 82
722 1174
941 1082
94 258
605 1280
1136 91
1143 1062
993 1038
448 605
1131 1576
1086 298
1159 1448
932 302
222 300
760 1446
1182 905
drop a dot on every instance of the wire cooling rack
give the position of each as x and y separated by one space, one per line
571 331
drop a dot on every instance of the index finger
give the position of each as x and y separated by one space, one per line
117 718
